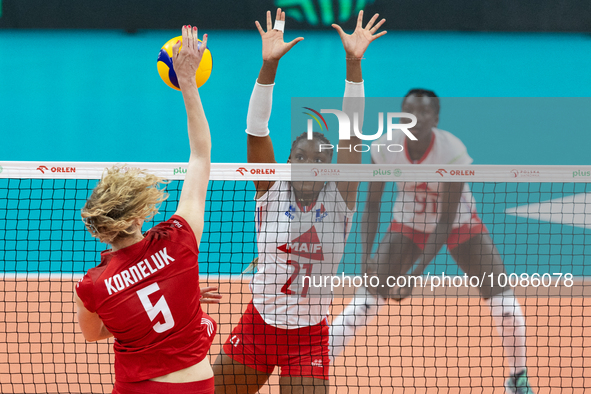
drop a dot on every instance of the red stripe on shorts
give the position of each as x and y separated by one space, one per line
457 236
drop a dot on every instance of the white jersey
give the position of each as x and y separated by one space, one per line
417 203
294 242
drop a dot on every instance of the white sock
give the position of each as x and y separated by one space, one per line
362 309
510 322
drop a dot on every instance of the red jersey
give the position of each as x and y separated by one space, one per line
147 295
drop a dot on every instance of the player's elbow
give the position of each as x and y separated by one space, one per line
201 149
91 337
94 333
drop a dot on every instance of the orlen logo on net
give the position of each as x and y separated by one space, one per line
442 171
56 169
345 130
256 171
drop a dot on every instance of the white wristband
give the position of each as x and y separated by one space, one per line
354 102
279 25
259 110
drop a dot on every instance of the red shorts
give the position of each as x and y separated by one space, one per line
149 386
298 352
458 235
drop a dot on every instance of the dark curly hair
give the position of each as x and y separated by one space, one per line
315 136
425 93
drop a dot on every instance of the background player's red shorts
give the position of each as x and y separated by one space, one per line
298 352
457 236
148 386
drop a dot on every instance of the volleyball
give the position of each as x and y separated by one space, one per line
166 70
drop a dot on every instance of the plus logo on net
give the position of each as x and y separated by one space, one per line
345 129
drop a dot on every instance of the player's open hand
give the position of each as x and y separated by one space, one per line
273 45
186 61
208 296
356 43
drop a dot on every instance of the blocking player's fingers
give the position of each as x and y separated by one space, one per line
338 29
377 26
185 36
278 15
269 22
360 20
259 28
194 38
175 49
378 35
293 42
210 300
204 43
371 22
282 16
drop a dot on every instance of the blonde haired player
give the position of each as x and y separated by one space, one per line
145 290
427 216
302 229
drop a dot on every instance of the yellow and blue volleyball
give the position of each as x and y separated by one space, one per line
166 70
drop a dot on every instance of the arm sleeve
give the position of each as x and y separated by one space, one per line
84 289
354 102
259 110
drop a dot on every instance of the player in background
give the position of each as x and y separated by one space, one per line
302 229
427 216
145 291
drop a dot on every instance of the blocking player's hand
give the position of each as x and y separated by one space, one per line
186 61
356 43
273 45
209 295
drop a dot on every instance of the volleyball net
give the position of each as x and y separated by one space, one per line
440 340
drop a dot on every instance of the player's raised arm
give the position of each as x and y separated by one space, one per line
260 146
186 61
355 45
370 220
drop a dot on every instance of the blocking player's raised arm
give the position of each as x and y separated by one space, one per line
371 218
192 201
260 146
355 45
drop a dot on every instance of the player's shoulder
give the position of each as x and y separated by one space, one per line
278 192
176 229
450 149
444 137
175 223
389 151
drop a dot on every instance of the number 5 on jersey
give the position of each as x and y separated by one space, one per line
154 310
